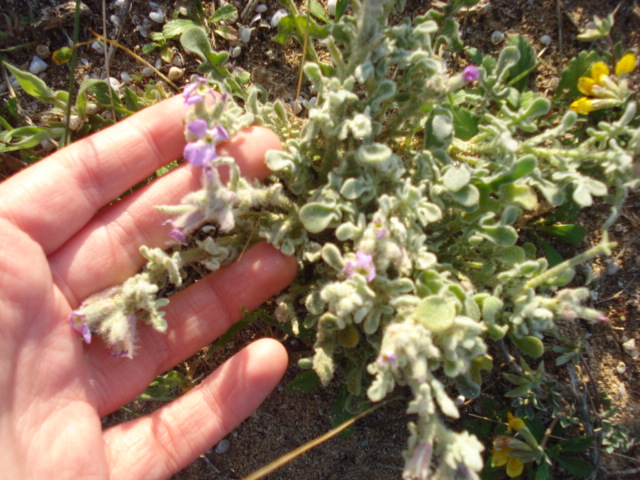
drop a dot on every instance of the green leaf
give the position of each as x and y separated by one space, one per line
316 216
566 233
34 86
465 123
195 40
175 28
577 68
519 73
306 382
576 466
341 8
529 345
551 253
543 472
456 178
435 313
165 387
227 32
317 10
223 13
577 444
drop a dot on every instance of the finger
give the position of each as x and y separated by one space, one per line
55 197
196 316
106 251
162 443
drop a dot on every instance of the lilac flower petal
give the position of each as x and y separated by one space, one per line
220 134
192 100
198 127
200 153
78 323
349 268
470 73
177 234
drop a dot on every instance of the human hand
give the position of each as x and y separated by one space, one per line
61 241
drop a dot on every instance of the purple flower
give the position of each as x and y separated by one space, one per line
79 324
363 265
203 151
176 233
470 73
196 91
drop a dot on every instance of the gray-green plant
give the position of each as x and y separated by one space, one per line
404 196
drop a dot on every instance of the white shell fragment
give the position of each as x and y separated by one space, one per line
245 34
75 122
115 84
157 16
175 73
261 8
236 51
147 71
621 368
98 47
223 446
546 40
331 6
37 65
497 37
125 77
279 15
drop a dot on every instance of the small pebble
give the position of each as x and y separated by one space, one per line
98 47
546 40
92 108
236 51
125 77
158 63
147 71
279 15
178 61
621 368
497 37
106 114
261 8
629 345
115 19
37 65
175 73
245 34
43 51
460 399
157 16
223 446
612 269
618 228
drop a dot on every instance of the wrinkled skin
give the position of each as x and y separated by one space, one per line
61 239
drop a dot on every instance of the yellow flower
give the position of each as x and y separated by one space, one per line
583 106
501 455
599 71
585 85
514 423
627 64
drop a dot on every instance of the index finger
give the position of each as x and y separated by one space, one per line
56 197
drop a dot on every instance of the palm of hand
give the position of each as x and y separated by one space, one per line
57 249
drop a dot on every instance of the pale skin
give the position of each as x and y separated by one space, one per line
61 240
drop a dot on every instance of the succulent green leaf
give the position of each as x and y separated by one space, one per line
436 313
316 216
529 345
